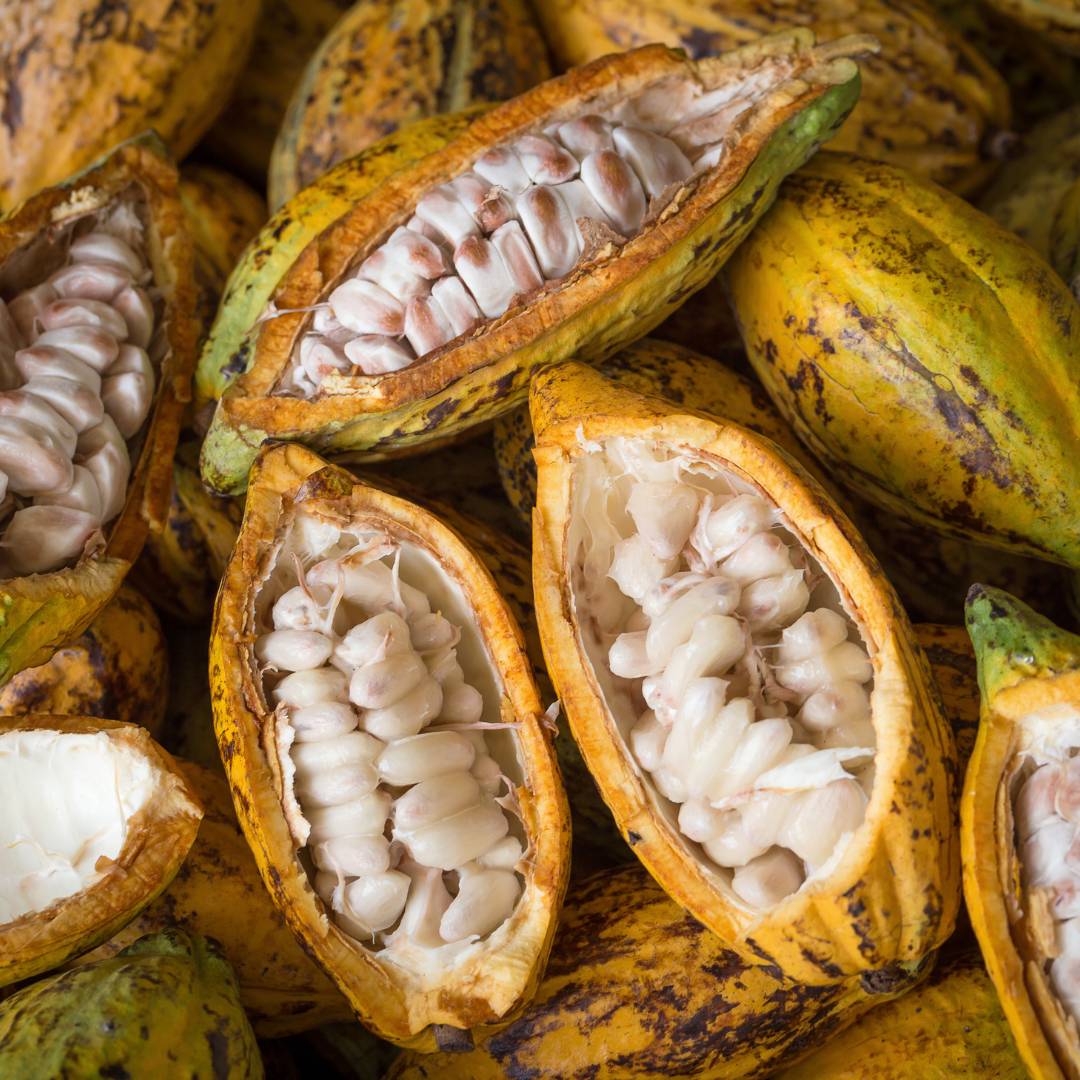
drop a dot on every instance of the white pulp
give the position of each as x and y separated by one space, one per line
65 803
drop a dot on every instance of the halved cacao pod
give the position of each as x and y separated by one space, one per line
80 81
67 548
921 351
1016 817
361 392
295 814
96 822
434 56
822 812
638 988
168 998
950 1025
930 102
1056 20
218 894
118 669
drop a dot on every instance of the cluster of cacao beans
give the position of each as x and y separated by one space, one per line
580 580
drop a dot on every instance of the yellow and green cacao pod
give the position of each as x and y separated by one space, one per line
383 66
930 102
922 352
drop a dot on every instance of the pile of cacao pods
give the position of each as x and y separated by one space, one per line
540 538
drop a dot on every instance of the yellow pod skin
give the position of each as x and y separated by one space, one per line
1058 21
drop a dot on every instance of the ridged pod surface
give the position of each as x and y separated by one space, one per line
43 611
218 894
169 997
118 669
381 68
91 78
156 840
395 1001
608 297
929 102
921 351
1029 681
1037 195
949 1026
1056 20
948 648
638 988
892 896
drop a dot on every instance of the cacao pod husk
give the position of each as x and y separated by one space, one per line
156 840
1058 21
437 57
922 352
1029 681
892 895
929 101
638 988
118 669
44 611
948 649
607 299
218 894
169 997
396 1002
81 81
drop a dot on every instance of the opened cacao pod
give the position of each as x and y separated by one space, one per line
218 894
638 988
382 67
1056 20
166 1005
1017 815
930 102
96 821
347 363
370 684
921 351
742 683
96 349
118 669
81 80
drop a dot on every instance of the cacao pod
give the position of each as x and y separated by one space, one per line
922 352
929 102
118 669
631 490
299 513
102 821
638 988
1037 195
60 569
218 894
598 296
1020 782
166 1005
950 1027
436 56
948 648
1056 20
81 80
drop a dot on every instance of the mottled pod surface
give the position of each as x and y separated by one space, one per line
1056 20
569 220
384 66
79 78
919 350
382 734
743 684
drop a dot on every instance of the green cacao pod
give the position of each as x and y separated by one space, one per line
166 1005
921 351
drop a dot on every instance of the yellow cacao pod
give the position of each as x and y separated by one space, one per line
106 820
637 988
922 352
436 56
1056 20
392 980
75 579
606 288
883 875
1017 883
930 102
82 80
